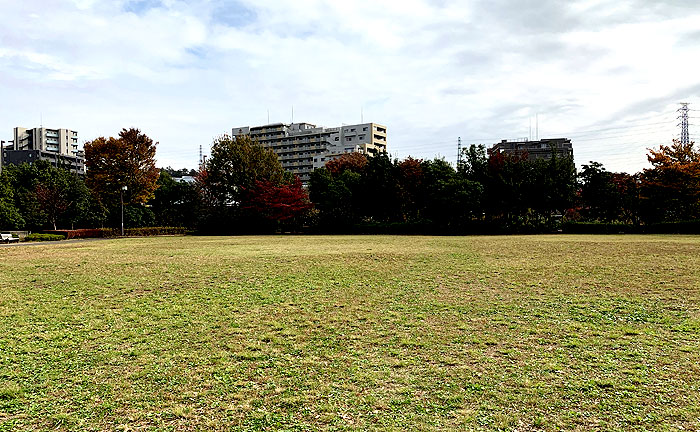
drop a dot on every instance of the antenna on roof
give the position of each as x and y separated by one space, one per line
268 116
292 113
362 114
537 125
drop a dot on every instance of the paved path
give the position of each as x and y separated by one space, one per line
20 244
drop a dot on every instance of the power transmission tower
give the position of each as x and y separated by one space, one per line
459 153
683 117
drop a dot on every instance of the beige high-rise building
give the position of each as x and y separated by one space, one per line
303 147
58 146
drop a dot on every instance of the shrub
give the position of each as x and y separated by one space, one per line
44 237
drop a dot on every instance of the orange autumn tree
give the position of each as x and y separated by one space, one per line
670 190
129 160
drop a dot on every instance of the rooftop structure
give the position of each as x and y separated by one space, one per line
542 149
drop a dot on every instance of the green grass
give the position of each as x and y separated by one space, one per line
352 333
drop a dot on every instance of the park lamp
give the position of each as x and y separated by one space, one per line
121 197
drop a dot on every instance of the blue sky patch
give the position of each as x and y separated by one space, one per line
233 14
141 6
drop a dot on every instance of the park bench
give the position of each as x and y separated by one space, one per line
8 238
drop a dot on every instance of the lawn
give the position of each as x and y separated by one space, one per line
352 333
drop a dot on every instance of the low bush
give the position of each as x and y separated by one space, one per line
44 237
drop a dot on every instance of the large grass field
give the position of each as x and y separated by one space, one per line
352 333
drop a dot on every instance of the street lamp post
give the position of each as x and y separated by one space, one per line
121 197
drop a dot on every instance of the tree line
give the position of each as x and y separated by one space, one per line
242 188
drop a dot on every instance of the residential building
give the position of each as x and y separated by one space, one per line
542 149
303 147
58 146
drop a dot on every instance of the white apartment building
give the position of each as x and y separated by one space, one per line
303 147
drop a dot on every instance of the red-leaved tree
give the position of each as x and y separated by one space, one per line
283 203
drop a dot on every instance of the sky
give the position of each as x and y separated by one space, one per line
609 74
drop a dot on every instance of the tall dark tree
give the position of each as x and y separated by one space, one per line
175 203
10 217
46 196
337 198
607 196
62 196
409 177
380 196
449 201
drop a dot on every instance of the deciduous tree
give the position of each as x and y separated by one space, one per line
279 203
235 165
129 160
670 190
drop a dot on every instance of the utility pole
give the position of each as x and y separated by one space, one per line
201 161
683 117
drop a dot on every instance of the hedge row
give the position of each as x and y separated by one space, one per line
86 233
683 227
112 232
599 228
37 237
154 231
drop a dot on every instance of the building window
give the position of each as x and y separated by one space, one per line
337 138
348 139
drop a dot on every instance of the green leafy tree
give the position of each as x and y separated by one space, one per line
62 196
47 196
175 203
234 167
449 200
10 217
